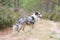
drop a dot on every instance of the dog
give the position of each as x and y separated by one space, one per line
28 20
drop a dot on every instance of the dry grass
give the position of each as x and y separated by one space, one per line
43 30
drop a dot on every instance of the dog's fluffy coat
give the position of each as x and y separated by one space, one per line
26 20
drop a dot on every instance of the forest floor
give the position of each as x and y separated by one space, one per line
43 30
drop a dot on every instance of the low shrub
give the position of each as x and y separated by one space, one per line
52 16
7 17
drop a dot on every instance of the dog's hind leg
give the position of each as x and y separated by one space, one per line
32 26
19 28
23 27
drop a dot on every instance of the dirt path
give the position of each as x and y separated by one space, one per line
5 31
43 30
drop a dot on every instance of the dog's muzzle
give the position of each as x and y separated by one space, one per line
40 16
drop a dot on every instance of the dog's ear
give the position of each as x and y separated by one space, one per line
36 13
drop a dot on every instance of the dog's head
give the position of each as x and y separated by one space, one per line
38 14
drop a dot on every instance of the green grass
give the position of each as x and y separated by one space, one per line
7 17
52 16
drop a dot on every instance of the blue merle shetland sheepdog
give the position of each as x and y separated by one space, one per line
26 21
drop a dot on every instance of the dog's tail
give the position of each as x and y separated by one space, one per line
16 27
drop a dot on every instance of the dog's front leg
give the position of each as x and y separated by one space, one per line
32 26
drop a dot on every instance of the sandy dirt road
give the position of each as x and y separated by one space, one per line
43 30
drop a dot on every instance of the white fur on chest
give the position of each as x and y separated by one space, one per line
35 17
